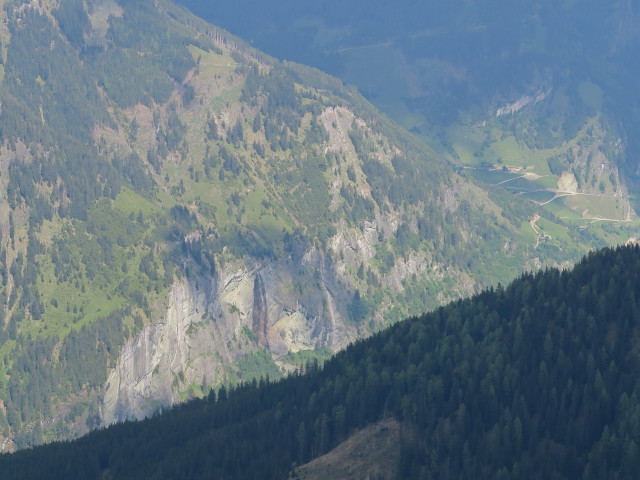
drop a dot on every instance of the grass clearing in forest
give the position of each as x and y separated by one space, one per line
491 177
528 233
212 63
263 216
128 202
592 206
540 196
73 309
557 232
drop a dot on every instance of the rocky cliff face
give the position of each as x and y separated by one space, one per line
213 324
150 363
260 317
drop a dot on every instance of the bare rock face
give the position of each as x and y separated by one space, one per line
154 362
260 324
567 183
213 323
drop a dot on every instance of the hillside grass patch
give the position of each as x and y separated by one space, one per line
212 63
596 206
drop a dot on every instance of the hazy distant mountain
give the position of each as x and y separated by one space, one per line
465 75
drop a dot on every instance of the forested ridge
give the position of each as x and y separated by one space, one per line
538 379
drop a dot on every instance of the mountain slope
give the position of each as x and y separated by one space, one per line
540 85
536 379
181 211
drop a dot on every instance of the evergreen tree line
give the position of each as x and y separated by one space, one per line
538 379
48 369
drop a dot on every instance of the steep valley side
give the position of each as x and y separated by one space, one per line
179 211
214 327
